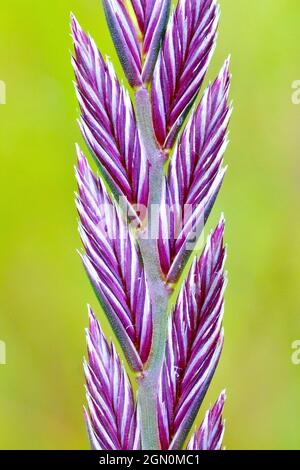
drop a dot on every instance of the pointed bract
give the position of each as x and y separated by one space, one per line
182 64
112 261
112 419
137 27
194 344
195 177
108 122
211 431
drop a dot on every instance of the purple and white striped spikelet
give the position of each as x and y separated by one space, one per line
136 27
112 422
108 123
174 354
195 175
182 64
194 344
210 434
114 266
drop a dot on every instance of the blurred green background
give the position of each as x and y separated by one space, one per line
43 287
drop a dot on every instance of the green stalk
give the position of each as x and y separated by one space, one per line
149 380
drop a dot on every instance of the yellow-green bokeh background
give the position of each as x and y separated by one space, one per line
43 287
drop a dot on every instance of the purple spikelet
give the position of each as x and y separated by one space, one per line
114 266
182 64
137 27
211 431
195 176
194 343
112 419
141 219
108 122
